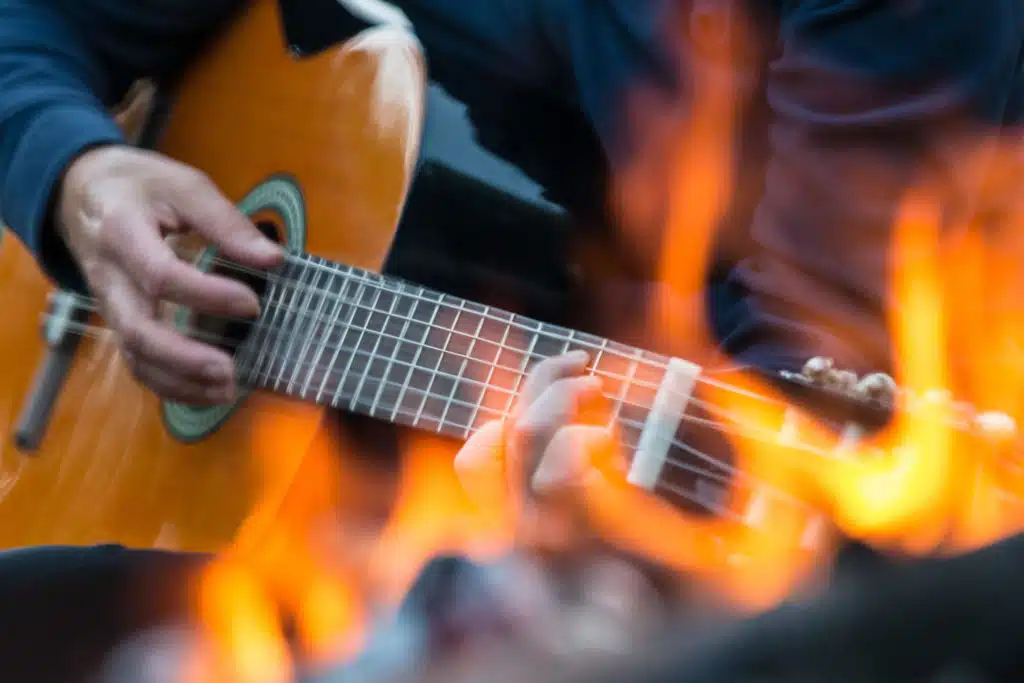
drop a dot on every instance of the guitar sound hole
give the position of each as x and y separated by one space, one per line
225 333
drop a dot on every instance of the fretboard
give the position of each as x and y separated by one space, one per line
352 339
379 346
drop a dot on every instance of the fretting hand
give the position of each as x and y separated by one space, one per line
115 206
528 465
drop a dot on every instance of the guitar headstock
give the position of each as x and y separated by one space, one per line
702 470
871 401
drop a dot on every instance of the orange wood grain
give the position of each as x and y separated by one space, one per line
344 124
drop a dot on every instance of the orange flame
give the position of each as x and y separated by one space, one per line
917 487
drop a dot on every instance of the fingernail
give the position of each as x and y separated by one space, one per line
578 355
265 248
224 394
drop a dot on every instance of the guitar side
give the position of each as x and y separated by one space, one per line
325 149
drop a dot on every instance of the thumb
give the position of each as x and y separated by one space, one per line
573 454
480 467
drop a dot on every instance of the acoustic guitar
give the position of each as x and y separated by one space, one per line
378 179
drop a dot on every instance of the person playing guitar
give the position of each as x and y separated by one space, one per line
884 79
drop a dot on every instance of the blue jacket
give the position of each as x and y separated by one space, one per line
855 89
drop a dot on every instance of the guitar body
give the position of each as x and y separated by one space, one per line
327 147
345 127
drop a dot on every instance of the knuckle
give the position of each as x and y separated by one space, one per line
133 338
156 276
131 361
108 234
194 180
525 432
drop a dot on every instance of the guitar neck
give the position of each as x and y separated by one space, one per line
345 337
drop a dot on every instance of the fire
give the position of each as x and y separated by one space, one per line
918 487
318 554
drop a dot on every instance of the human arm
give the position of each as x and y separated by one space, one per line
868 101
62 64
67 185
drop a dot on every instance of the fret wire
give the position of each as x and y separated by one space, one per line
416 357
626 383
767 438
307 337
490 376
597 358
387 316
285 339
395 353
529 352
349 317
394 284
618 401
332 319
462 366
248 358
359 343
655 362
521 372
469 428
293 319
440 360
496 414
531 355
274 331
568 342
522 323
554 332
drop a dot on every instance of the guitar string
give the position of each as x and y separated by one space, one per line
760 485
382 284
628 382
418 293
723 413
770 438
401 288
766 436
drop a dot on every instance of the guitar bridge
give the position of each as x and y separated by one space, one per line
61 329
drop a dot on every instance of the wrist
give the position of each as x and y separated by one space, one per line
76 177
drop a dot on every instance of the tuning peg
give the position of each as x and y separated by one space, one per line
996 427
878 387
821 372
817 368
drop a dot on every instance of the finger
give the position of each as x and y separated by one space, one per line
556 407
549 371
178 388
200 204
149 342
570 456
480 467
132 239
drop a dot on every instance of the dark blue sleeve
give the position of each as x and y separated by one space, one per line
62 62
866 100
589 53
